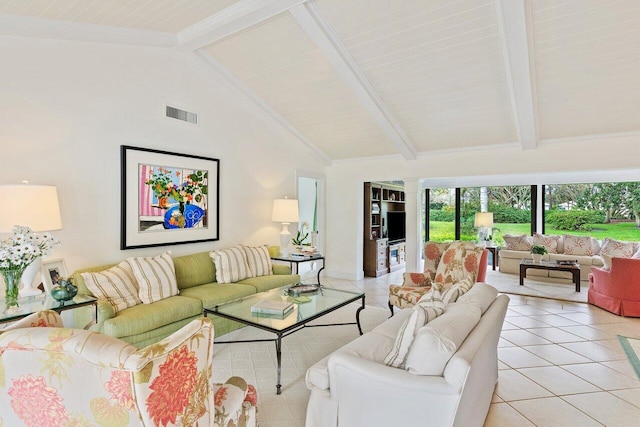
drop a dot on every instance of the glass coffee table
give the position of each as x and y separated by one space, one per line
323 302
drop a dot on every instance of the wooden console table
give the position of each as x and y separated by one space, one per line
574 269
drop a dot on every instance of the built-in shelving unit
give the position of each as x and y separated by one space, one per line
383 220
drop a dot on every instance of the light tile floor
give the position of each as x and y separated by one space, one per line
560 363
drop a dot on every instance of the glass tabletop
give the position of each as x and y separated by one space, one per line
321 302
30 305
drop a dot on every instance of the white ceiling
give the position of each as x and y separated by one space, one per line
362 78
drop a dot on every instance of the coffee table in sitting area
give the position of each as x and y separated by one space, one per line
573 268
323 302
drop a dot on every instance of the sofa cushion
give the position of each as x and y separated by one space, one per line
194 270
617 248
578 245
156 277
146 317
117 285
551 242
391 326
606 261
266 283
212 294
437 341
480 295
420 315
517 242
231 265
259 260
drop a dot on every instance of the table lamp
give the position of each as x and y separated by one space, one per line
285 211
33 206
483 221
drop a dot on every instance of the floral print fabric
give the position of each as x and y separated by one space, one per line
517 243
71 377
578 245
552 243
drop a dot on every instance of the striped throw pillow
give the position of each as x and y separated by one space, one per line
117 285
421 314
259 260
156 277
231 265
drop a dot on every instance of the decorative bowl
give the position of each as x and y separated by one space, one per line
64 291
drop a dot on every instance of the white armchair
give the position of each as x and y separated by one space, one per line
60 376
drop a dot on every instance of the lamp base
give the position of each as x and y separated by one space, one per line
285 239
27 279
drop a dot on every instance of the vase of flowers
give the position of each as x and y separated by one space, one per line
16 254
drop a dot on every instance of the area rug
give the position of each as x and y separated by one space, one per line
631 347
256 362
548 288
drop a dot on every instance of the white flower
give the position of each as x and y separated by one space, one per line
24 247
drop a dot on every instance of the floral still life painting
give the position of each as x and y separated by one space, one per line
168 198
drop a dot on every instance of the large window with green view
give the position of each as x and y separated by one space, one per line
510 205
598 210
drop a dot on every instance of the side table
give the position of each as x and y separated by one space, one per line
31 305
294 261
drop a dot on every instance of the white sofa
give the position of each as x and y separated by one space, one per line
510 263
353 387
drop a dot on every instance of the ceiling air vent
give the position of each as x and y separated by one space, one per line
186 116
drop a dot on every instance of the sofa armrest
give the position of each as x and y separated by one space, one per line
281 269
347 370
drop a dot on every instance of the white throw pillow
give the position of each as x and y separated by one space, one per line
606 262
259 260
481 295
420 315
617 248
156 277
231 265
578 245
550 242
117 285
517 243
436 342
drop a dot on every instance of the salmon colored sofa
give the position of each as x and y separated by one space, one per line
617 290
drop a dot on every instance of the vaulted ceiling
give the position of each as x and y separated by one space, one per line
368 78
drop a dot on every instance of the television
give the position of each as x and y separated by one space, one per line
396 225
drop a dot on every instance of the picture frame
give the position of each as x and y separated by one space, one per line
168 198
52 271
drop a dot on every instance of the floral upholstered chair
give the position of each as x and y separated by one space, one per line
445 264
57 376
44 318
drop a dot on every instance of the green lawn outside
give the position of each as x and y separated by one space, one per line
440 231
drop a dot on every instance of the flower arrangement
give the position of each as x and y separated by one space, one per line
24 247
302 235
192 188
538 249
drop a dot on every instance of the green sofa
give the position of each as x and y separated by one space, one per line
145 324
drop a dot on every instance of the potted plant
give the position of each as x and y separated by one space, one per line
537 251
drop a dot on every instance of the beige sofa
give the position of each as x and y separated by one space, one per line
354 387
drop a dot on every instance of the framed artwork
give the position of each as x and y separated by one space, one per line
168 198
52 271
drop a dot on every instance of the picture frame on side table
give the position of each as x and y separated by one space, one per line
168 198
52 271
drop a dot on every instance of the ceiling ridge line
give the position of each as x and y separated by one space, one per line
28 26
319 31
238 85
514 22
233 19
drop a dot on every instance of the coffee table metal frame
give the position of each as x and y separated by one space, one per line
286 331
574 269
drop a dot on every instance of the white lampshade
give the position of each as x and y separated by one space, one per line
483 219
33 206
285 210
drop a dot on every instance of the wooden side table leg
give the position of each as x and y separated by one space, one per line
523 272
576 280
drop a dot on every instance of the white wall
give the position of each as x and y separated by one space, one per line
66 107
615 159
